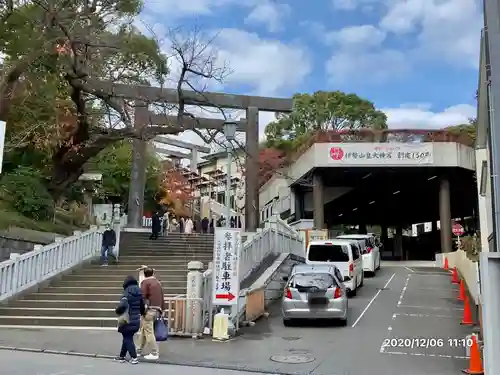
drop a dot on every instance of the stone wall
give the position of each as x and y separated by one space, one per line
21 241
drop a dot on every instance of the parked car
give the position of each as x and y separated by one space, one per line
369 250
314 292
344 254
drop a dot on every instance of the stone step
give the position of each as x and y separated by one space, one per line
175 283
91 312
111 289
129 269
87 312
161 257
68 304
53 321
83 279
109 296
120 277
159 262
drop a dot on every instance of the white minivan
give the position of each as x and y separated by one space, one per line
344 254
369 250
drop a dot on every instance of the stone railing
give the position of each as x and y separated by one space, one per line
24 271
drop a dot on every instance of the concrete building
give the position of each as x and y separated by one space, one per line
482 154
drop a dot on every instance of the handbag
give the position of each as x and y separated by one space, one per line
124 318
161 329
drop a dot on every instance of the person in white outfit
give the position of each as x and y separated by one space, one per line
188 226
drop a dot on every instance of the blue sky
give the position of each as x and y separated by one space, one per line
415 59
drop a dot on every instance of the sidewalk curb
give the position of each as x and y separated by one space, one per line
160 361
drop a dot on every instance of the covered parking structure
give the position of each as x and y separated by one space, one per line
390 183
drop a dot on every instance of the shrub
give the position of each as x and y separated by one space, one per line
26 192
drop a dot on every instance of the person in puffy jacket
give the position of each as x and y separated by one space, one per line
130 309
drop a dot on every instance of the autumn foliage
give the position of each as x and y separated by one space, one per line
270 160
176 191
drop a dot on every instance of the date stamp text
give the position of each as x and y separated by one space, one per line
426 342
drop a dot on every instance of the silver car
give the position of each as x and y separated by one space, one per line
314 292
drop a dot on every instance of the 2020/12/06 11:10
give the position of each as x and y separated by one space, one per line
427 342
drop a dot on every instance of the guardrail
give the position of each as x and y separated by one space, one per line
277 238
468 269
45 262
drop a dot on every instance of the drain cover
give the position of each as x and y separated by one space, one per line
292 359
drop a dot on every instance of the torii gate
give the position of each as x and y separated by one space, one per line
144 117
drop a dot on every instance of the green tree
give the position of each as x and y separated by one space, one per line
115 163
467 130
323 110
56 56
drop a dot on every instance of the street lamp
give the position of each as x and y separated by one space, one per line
229 129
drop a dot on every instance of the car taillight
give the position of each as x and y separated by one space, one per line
288 293
338 293
351 267
368 250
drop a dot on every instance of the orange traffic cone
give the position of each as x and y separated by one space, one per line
454 278
475 364
467 318
446 265
461 294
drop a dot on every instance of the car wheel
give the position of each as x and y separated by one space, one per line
353 293
343 322
287 322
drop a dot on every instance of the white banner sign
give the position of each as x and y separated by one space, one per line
381 153
226 278
3 127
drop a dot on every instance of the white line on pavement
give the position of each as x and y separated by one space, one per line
427 355
372 300
409 269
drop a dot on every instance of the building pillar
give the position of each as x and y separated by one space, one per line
138 172
299 204
194 160
318 202
398 242
252 171
445 215
383 234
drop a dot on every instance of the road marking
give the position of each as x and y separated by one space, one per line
424 315
403 291
432 308
427 355
409 269
372 300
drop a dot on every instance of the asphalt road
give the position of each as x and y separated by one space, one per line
395 308
24 363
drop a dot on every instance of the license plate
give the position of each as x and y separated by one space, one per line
317 300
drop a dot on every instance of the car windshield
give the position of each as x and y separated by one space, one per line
327 253
304 282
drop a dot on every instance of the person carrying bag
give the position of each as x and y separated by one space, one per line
152 321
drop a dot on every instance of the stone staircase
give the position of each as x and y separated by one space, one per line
86 298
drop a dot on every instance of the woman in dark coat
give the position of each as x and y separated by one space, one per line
132 305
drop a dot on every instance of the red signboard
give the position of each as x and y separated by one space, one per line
457 230
336 153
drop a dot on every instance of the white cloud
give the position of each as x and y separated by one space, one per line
170 10
364 36
409 116
440 30
445 29
269 13
266 66
368 67
351 5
